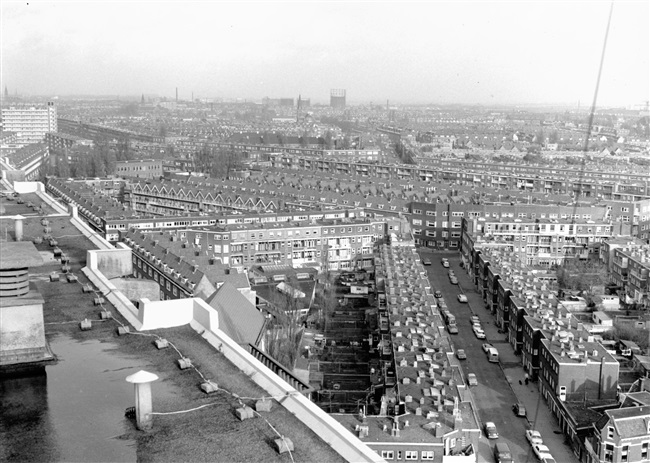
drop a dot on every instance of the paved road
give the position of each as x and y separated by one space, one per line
499 386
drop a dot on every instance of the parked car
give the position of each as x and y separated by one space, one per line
453 329
445 262
502 453
452 273
478 332
548 460
426 261
475 320
491 430
460 353
471 379
486 346
541 451
519 409
438 294
453 280
534 437
462 298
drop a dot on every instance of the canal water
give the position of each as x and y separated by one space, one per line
74 412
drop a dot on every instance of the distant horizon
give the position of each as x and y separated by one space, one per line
350 103
529 52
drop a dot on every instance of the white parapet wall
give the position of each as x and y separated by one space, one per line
342 440
205 321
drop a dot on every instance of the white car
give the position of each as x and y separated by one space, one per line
541 451
478 332
487 347
474 320
534 437
462 298
471 379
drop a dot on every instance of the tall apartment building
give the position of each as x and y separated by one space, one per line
30 123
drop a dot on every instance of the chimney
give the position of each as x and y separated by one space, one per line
18 226
458 422
438 431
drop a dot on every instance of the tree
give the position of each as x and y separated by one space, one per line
45 170
585 276
62 166
284 337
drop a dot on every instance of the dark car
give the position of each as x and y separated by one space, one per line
519 410
438 294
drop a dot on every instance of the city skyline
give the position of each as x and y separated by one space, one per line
426 52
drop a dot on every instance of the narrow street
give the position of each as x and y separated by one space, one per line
498 383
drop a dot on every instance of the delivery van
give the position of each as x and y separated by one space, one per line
493 355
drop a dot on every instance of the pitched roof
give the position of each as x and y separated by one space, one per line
630 421
238 318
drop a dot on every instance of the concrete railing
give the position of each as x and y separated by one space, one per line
342 440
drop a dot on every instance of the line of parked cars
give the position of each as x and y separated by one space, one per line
541 451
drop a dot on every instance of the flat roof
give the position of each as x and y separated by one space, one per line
19 254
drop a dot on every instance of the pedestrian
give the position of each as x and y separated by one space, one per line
526 379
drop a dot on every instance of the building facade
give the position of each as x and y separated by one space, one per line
30 123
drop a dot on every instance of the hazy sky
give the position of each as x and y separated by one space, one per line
483 52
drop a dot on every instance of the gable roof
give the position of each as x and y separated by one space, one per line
238 318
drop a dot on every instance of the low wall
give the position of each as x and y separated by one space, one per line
327 428
165 314
98 241
108 289
204 320
114 262
135 289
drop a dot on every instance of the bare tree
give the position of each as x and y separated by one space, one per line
283 338
582 275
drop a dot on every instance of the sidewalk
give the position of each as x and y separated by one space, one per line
538 415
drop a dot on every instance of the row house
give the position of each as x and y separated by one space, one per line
337 244
544 179
181 270
438 224
573 372
542 242
621 435
630 267
414 381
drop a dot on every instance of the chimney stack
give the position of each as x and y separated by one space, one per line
18 226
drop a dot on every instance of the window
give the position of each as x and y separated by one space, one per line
388 454
610 432
624 453
411 455
426 455
644 450
417 211
417 222
609 452
431 213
